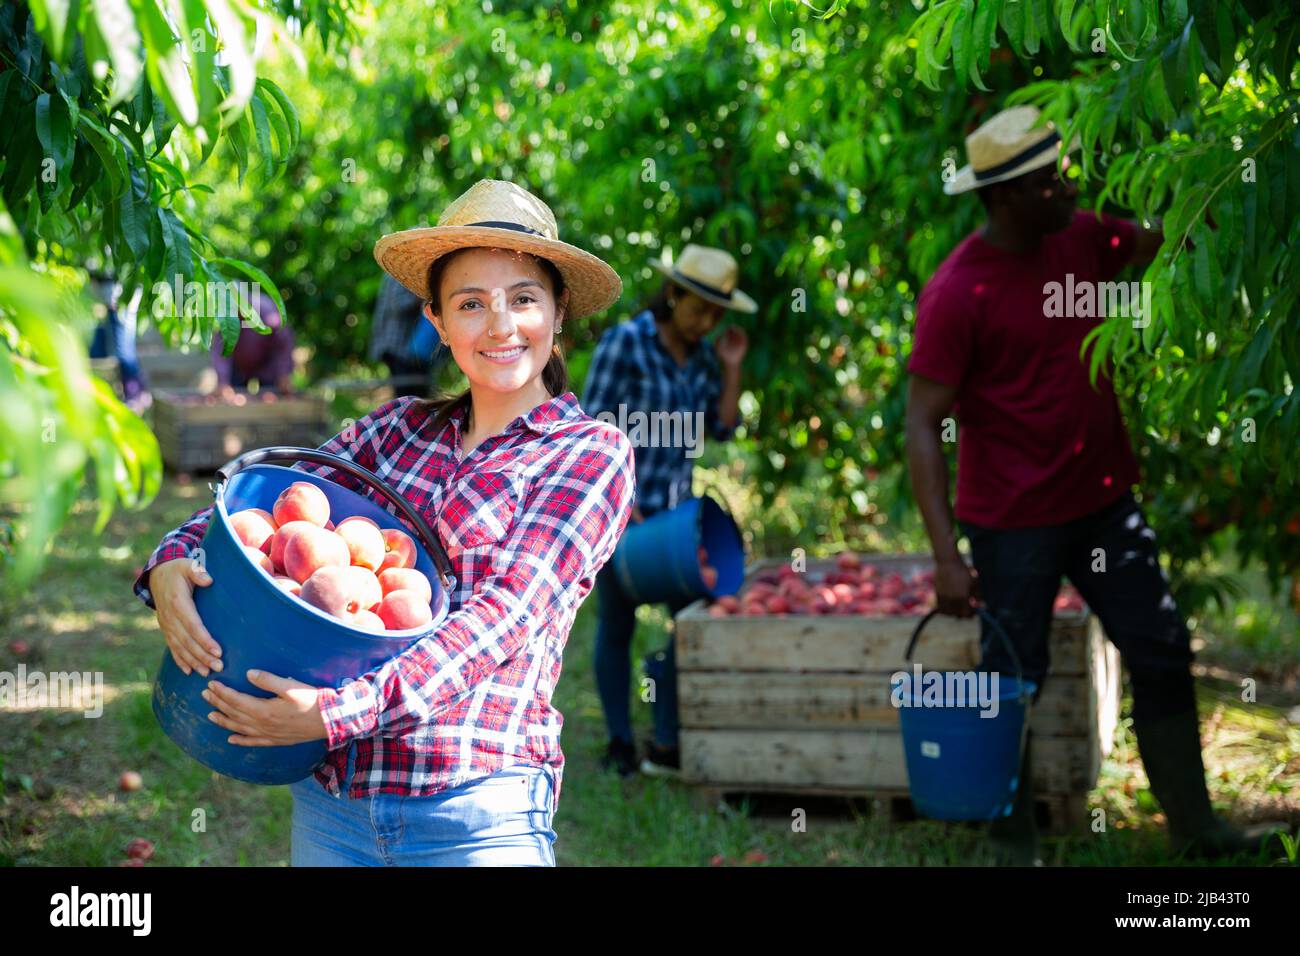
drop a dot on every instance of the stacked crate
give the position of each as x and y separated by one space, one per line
197 437
801 704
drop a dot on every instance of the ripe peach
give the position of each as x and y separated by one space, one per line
287 584
311 549
730 602
130 781
778 605
302 501
367 621
366 586
397 579
365 543
252 529
329 526
843 593
717 610
270 519
282 536
399 550
402 609
334 591
139 849
259 558
362 518
847 561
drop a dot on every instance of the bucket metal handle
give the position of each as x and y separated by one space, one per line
288 453
993 624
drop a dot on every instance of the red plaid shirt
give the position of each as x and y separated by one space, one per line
527 518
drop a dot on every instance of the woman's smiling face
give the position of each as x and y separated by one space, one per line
498 316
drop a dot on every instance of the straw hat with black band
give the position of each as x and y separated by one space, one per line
499 215
1009 145
709 273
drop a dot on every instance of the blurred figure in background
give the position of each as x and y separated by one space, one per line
403 340
115 336
266 357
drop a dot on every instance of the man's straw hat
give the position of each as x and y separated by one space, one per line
709 273
500 215
1010 144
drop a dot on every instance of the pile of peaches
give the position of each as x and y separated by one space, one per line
852 587
358 572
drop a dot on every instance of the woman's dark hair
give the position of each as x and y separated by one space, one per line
658 304
555 376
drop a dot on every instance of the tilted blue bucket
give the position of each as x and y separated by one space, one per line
656 560
258 625
961 765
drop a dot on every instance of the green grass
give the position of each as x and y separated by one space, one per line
59 803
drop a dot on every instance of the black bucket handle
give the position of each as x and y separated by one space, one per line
993 624
288 453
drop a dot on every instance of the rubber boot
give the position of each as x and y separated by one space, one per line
1171 752
1014 838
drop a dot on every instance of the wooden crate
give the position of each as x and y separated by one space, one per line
199 437
800 704
180 371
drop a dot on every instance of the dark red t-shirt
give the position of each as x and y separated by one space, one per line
1038 444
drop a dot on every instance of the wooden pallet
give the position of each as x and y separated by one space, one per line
800 704
1054 812
201 438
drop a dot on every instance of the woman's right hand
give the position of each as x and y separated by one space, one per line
172 585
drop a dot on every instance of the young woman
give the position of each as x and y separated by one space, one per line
657 363
449 754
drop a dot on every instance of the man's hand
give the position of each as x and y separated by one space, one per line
290 717
956 588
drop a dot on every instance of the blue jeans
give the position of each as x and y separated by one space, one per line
615 626
503 819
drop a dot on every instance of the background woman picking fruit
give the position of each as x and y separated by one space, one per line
449 752
655 363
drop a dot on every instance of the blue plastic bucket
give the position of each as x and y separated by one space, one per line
258 625
656 560
961 765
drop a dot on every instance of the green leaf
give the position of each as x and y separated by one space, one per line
1201 274
963 56
1173 61
261 278
203 51
235 52
289 112
165 64
1253 359
111 153
178 263
54 130
117 27
263 127
52 20
134 211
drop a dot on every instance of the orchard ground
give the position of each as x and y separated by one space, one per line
60 803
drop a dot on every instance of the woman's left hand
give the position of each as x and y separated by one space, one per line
731 345
290 717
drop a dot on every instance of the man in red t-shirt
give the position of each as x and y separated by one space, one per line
1044 466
